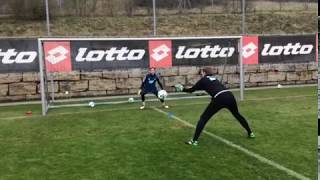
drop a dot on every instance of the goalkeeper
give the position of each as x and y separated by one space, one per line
148 85
221 98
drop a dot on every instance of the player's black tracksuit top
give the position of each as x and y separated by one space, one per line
210 84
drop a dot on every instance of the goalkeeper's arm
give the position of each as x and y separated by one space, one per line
142 85
196 87
143 82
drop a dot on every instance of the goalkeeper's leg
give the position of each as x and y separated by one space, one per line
142 94
231 105
211 109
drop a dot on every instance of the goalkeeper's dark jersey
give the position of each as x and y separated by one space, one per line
149 83
210 84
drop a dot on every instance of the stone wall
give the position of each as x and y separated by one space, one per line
25 86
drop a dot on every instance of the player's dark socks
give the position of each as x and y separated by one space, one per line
142 97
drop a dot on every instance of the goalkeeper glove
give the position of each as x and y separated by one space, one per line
179 87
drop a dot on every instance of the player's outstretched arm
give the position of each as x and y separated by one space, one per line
196 87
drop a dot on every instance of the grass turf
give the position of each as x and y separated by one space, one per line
122 142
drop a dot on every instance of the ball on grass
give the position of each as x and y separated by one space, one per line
131 100
279 86
91 104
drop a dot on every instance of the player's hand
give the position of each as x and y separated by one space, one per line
179 87
139 92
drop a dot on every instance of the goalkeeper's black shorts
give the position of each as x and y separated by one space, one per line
149 91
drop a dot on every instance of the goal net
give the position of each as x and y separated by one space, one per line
76 71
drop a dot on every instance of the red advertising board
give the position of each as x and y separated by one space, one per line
57 56
160 52
250 50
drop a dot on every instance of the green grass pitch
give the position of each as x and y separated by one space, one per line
123 142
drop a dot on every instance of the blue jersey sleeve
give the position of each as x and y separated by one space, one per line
143 82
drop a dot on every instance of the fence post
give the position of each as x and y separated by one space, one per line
154 18
243 23
47 18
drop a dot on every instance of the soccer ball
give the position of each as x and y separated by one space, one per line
131 100
91 104
162 94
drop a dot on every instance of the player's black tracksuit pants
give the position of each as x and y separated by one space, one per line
223 100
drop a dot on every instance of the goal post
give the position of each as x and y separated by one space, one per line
241 69
86 55
43 89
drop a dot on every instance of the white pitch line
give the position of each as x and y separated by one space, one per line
242 149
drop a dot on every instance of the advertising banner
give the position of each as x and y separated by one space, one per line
202 52
110 54
18 55
287 49
64 55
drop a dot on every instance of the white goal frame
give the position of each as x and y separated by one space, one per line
45 97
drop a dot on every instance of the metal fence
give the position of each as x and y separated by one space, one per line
156 17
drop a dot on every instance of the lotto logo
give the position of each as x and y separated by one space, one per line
57 55
112 54
12 56
250 51
289 49
160 53
58 58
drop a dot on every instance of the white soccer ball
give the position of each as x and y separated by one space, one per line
162 94
279 86
67 92
131 100
91 104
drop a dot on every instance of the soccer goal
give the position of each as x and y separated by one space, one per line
76 62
